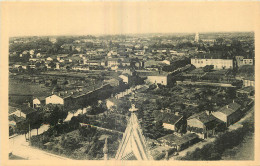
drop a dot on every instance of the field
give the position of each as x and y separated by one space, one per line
25 88
20 92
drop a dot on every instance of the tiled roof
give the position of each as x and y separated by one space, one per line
167 117
230 108
203 117
175 140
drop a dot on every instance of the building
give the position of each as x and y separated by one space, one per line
249 82
114 82
179 142
245 91
229 114
239 60
158 78
171 121
204 124
21 112
54 99
125 78
197 38
112 62
38 101
248 62
217 63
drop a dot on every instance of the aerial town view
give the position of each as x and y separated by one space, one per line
153 96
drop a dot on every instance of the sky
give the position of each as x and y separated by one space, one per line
84 18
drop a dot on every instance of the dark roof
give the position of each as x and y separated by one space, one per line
167 117
203 117
175 140
230 108
27 110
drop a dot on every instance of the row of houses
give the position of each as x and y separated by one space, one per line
199 126
221 63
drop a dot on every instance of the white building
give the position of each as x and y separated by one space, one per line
54 99
125 78
248 61
36 103
217 63
158 79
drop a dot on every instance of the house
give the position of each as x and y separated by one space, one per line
93 62
16 111
115 81
38 101
204 124
179 143
49 59
54 99
23 111
249 81
248 61
158 78
239 60
113 62
125 78
245 91
171 121
126 62
229 114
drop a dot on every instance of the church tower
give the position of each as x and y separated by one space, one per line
197 38
133 145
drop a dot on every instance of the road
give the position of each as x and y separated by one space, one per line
19 147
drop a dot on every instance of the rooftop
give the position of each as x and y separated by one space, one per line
203 117
175 140
230 108
167 117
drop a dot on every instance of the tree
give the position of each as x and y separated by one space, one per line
148 123
208 68
56 114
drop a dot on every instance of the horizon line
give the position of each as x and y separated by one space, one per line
125 34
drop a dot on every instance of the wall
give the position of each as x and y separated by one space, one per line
218 63
54 99
157 79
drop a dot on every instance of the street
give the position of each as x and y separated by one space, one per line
19 147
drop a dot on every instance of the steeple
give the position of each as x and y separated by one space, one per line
133 144
196 39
